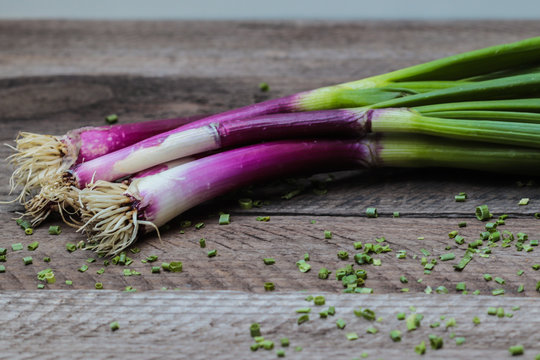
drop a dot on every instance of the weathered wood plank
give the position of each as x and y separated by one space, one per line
245 242
215 324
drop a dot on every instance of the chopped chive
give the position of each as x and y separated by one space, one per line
156 269
254 347
460 240
323 273
450 322
284 342
27 260
343 255
425 252
420 349
403 279
71 247
114 326
202 242
538 286
441 290
54 230
40 286
499 280
98 286
83 268
340 323
269 261
460 198
488 277
395 335
323 314
448 256
212 253
175 266
269 286
536 267
520 288
452 234
255 330
16 247
298 348
111 119
436 324
2 269
199 226
372 330
33 246
352 336
498 292
435 341
224 219
331 310
413 321
319 300
327 234
462 224
264 87
306 257
482 213
152 258
460 340
524 201
371 212
280 353
302 319
69 282
263 218
516 350
29 231
476 320
395 214
245 203
303 266
305 310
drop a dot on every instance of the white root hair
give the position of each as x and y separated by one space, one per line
57 194
110 220
36 158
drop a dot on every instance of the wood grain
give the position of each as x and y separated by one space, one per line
59 75
215 324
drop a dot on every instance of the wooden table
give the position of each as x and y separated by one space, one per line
58 75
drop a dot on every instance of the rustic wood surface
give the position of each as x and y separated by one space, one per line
59 75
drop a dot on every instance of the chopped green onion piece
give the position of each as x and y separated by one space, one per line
436 324
156 269
460 340
460 198
269 261
413 321
323 314
488 277
461 286
395 335
340 323
331 310
428 290
352 336
263 218
16 247
98 286
2 269
460 240
152 258
40 286
395 214
327 234
90 260
298 348
69 282
520 288
303 266
403 279
441 290
111 119
400 316
100 271
202 242
83 268
482 213
302 319
114 326
255 330
175 266
284 342
372 330
538 286
254 347
224 219
280 353
71 247
342 255
303 310
524 201
420 349
462 224
536 267
516 350
452 234
269 286
435 341
323 273
499 280
371 212
27 260
446 257
3 251
319 300
498 292
245 203
28 231
450 322
33 246
212 253
54 230
264 87
199 226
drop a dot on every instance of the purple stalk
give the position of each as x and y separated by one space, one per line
233 132
94 142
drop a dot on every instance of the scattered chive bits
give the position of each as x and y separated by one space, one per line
224 219
54 230
111 119
114 326
327 234
371 212
212 253
264 87
395 335
269 261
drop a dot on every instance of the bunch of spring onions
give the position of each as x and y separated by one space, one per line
477 110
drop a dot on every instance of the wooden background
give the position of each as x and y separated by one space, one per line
59 75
